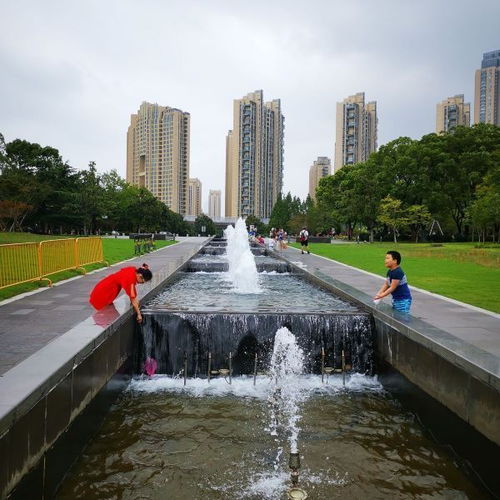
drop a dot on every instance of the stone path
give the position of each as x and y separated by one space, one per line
31 322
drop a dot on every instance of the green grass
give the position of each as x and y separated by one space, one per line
456 270
115 250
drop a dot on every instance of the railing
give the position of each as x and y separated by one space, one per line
24 262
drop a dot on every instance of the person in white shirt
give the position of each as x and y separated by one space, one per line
304 240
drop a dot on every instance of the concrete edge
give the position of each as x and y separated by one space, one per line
402 324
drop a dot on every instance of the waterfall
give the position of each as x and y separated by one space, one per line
242 268
170 335
287 364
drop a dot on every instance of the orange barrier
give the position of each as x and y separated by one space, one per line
23 262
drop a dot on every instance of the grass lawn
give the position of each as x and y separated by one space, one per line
456 270
115 250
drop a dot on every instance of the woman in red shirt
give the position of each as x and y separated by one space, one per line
106 291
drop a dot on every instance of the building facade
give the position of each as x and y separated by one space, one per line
158 153
194 197
214 197
254 157
451 113
356 130
319 169
487 89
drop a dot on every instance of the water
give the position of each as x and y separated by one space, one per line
287 364
168 336
215 292
242 268
213 441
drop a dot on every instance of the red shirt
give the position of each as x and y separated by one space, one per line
106 291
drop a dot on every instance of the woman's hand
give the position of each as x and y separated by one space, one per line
139 318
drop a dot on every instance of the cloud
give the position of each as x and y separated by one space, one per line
73 72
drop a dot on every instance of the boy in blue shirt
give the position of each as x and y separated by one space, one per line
396 284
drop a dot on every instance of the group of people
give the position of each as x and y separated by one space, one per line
278 238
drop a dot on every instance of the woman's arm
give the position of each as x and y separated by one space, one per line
135 305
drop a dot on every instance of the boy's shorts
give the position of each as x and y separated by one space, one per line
402 305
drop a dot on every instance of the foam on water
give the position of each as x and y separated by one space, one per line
307 385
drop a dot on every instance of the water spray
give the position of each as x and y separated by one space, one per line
185 367
255 370
322 365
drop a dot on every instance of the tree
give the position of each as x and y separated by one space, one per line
204 225
12 214
418 217
90 198
392 214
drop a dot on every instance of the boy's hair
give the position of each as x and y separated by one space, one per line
395 255
145 273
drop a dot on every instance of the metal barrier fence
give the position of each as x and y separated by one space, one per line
23 262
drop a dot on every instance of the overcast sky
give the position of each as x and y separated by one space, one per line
72 72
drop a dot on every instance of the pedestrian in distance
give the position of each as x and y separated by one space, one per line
106 291
395 284
304 240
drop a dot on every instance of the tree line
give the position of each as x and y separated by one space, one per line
451 179
40 192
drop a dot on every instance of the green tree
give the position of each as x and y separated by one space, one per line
393 215
418 217
90 198
204 225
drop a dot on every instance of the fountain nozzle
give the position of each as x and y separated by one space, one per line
296 494
294 461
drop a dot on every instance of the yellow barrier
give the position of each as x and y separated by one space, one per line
23 262
57 255
89 251
19 263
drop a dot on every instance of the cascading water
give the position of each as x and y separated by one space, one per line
242 267
287 364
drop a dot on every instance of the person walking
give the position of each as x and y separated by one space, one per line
106 291
304 240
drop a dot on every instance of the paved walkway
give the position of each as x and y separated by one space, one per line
472 332
31 322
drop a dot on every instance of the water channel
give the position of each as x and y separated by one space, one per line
265 388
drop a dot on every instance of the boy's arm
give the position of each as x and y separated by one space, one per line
387 290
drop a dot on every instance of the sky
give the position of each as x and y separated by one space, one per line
72 72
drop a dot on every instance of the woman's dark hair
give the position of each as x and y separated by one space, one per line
145 273
395 255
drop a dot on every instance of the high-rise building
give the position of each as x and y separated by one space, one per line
214 197
319 169
254 157
194 197
451 113
356 136
487 92
158 153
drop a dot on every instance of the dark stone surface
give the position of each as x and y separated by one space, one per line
58 409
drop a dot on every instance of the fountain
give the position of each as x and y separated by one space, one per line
242 268
248 363
287 365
